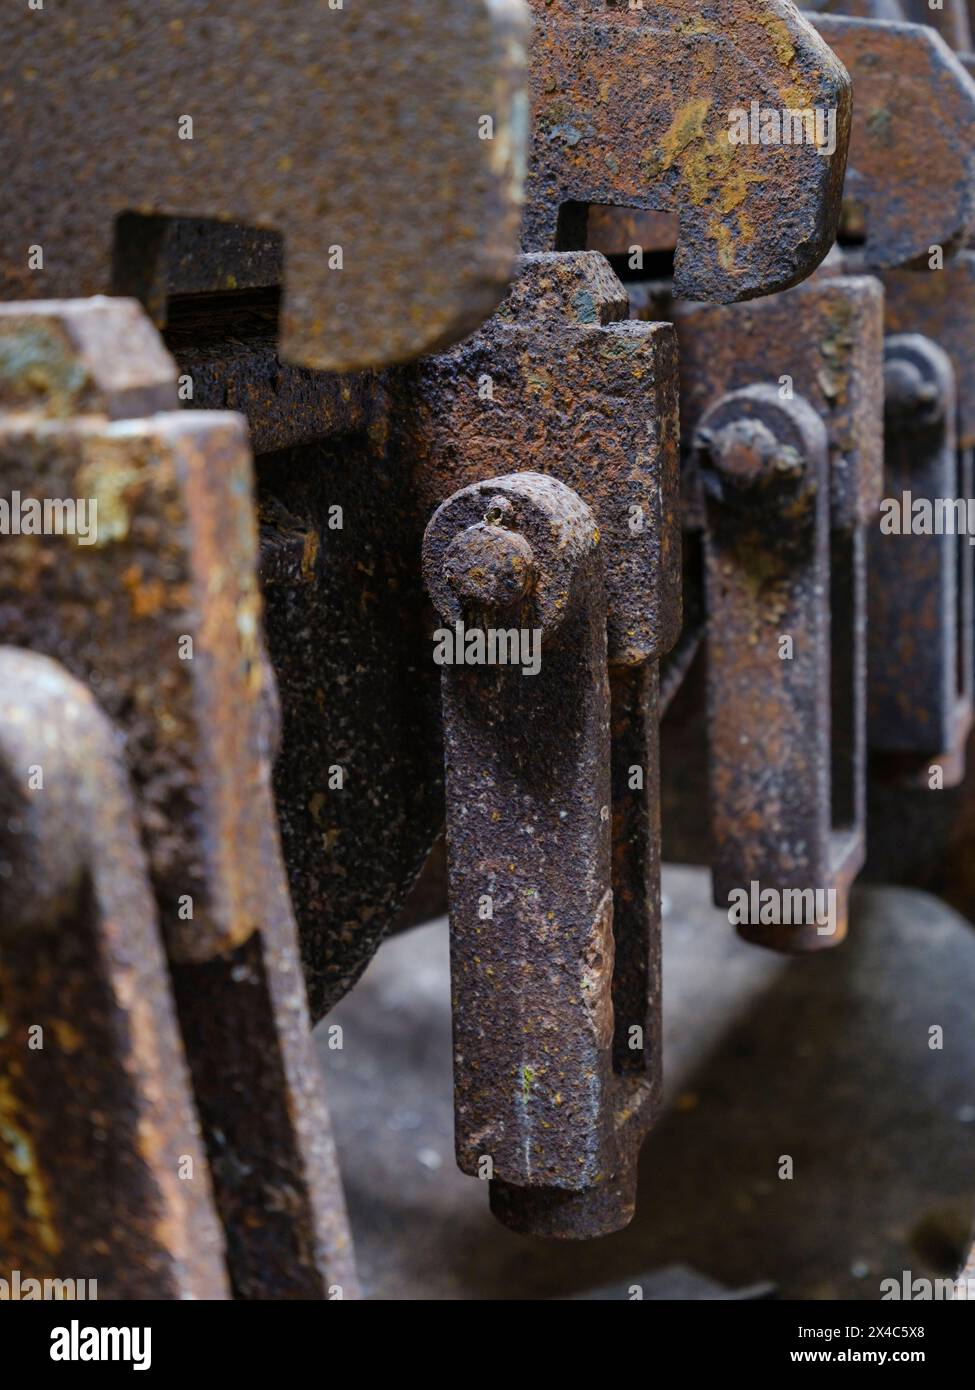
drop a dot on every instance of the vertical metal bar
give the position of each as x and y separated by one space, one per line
764 471
529 846
102 1173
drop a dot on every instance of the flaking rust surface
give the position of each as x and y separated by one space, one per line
631 108
578 392
168 567
355 128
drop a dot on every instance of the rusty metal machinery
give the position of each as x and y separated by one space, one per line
470 418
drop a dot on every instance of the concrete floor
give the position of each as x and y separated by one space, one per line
826 1059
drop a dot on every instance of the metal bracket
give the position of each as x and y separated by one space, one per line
764 468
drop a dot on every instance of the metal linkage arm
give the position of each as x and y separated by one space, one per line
540 1107
764 472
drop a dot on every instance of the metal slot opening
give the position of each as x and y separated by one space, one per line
843 741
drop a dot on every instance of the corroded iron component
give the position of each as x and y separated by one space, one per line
366 143
555 379
765 477
901 194
160 617
102 1174
529 846
560 380
358 776
904 193
753 218
821 341
941 307
919 696
358 771
168 574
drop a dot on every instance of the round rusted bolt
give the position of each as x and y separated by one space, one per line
489 567
744 450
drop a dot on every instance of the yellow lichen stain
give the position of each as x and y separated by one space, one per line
714 170
778 32
17 1152
108 480
309 554
722 236
746 227
68 1038
797 98
686 127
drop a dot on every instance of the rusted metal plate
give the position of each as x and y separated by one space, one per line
529 852
764 472
102 1174
631 109
905 192
358 776
174 559
560 381
358 773
349 132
